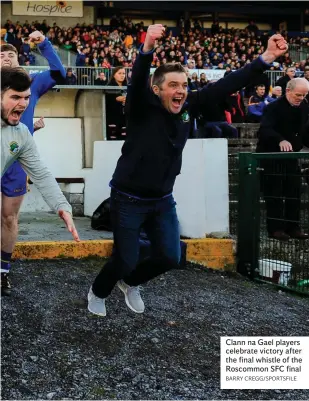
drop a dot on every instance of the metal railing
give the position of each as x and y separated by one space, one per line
298 52
246 142
275 75
67 57
40 61
274 197
86 76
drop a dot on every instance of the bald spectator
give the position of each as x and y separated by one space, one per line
284 128
283 81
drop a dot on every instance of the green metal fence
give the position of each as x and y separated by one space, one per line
245 143
273 208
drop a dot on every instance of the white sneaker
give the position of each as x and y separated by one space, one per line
96 305
132 297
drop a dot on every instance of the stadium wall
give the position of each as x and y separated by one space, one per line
56 104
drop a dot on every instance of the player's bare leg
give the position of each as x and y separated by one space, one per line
10 208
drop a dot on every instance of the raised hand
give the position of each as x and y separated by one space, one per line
276 47
39 124
36 37
154 32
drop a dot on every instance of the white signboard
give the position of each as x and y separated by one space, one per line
48 8
210 74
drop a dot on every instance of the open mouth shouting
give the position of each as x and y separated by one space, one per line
177 103
15 116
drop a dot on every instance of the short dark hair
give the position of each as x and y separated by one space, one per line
159 74
6 47
260 86
14 78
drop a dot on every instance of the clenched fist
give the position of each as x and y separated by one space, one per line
36 37
39 124
276 47
154 32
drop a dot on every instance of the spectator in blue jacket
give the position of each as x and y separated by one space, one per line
257 104
81 58
25 49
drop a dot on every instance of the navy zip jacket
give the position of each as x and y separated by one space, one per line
152 153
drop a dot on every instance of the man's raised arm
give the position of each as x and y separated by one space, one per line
239 79
56 75
141 68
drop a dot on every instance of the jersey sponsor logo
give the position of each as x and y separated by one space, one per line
14 148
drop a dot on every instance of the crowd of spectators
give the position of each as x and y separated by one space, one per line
189 43
116 48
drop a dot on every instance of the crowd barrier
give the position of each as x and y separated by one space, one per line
86 76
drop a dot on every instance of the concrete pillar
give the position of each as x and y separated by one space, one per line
89 107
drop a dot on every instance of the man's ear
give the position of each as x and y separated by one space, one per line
156 89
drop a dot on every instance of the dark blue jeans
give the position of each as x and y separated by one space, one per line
128 215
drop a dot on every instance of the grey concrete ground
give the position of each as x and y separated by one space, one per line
45 226
52 348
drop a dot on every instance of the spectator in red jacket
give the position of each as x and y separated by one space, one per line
141 36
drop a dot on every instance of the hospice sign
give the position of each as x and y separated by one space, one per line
48 8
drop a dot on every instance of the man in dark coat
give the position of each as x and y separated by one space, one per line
284 128
158 126
283 81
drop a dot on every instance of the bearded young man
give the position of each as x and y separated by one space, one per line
17 144
14 181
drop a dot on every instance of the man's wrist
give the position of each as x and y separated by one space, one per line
145 48
267 57
43 42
